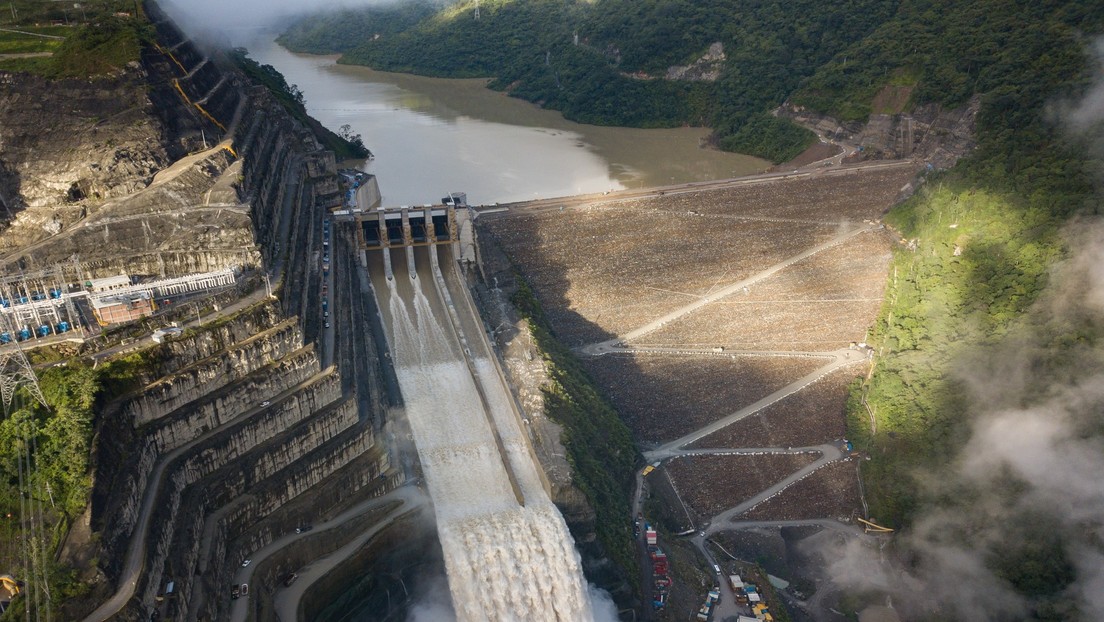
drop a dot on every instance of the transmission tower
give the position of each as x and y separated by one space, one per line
15 372
15 369
477 10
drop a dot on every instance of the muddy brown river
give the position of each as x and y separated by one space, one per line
432 136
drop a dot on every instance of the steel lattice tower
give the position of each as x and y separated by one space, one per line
15 370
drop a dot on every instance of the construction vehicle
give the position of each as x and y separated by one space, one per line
9 583
871 526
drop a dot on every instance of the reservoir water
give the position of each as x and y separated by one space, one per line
431 136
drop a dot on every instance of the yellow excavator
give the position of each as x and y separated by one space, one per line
871 526
9 583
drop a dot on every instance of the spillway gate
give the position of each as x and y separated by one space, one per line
391 227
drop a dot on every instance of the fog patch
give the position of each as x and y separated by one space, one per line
1083 118
602 604
432 602
1016 528
219 15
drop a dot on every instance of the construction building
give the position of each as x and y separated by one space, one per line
123 307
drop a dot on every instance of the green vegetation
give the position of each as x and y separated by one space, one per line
101 48
345 146
599 446
15 43
87 39
59 437
341 31
47 449
55 17
37 65
981 242
611 77
983 238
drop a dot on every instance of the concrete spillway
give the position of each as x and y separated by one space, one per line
508 553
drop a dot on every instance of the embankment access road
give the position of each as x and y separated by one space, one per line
555 203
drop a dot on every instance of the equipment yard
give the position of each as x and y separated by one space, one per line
725 325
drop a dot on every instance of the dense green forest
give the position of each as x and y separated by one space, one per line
45 450
601 62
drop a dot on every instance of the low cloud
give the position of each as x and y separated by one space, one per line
433 602
1021 509
219 15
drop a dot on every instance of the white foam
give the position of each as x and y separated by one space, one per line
505 561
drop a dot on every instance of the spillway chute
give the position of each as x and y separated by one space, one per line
508 553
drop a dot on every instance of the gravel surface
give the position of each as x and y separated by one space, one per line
664 397
851 196
822 303
712 484
812 416
600 272
829 492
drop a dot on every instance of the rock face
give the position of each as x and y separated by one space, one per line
706 69
240 430
203 378
928 133
108 180
103 139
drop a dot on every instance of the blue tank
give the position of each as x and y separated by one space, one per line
38 296
25 334
43 330
55 293
5 338
4 302
63 327
22 300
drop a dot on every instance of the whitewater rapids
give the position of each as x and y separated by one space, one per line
506 561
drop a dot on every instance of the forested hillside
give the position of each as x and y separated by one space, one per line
980 319
601 62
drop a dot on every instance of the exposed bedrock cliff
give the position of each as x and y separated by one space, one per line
103 139
241 464
193 346
179 164
927 132
203 377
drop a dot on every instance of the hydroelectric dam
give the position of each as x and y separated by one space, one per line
508 553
